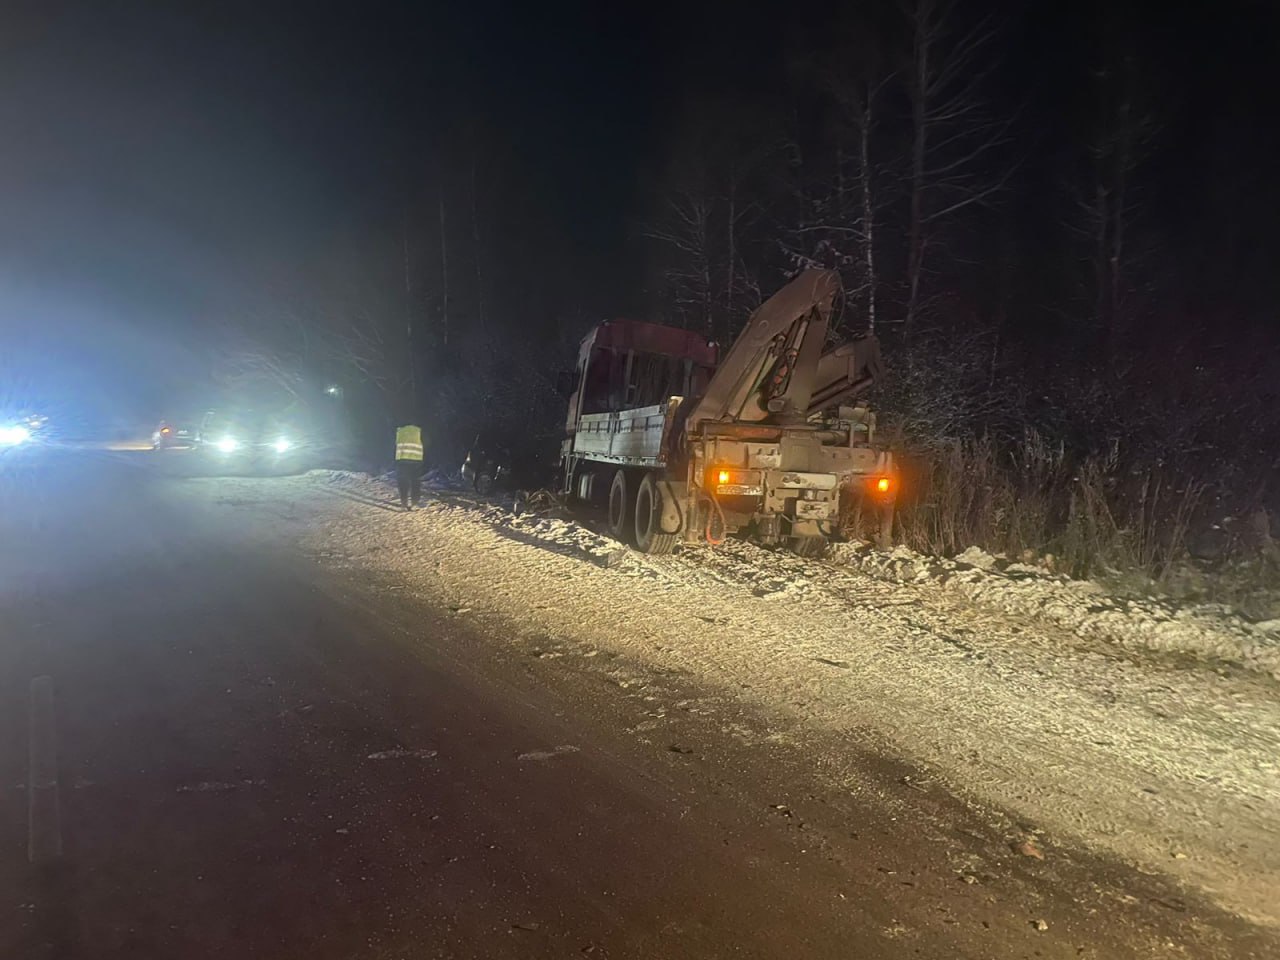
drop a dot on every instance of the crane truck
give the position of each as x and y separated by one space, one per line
685 447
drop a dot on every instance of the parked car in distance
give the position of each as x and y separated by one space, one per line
174 435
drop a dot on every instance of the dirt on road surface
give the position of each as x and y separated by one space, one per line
266 749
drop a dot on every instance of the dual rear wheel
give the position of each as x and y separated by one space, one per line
635 512
635 516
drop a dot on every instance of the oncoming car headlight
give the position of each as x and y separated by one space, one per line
228 445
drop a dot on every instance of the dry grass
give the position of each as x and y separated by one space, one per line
1098 517
1160 474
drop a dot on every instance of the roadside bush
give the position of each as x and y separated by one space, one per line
971 493
1154 478
1105 516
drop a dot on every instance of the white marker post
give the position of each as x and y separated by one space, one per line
44 825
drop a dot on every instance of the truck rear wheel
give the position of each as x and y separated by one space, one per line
621 508
649 535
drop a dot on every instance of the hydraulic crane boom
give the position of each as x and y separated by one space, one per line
776 371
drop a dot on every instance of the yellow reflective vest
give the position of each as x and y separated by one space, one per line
408 443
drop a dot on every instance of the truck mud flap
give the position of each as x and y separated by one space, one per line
673 494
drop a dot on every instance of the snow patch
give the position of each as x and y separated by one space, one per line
548 754
977 557
1209 632
401 753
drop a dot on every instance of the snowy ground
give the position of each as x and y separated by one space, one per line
1136 729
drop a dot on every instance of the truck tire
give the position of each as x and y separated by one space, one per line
621 507
649 535
576 478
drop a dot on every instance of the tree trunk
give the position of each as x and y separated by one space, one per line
708 292
733 250
475 239
444 276
408 308
1101 262
920 92
868 211
1115 254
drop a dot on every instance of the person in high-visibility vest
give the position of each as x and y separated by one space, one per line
409 464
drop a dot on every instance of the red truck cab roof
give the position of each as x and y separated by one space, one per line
644 337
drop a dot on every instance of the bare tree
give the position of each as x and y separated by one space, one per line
866 119
408 303
841 200
1110 208
684 228
741 285
705 273
266 353
365 324
250 368
954 139
477 250
375 351
707 210
444 275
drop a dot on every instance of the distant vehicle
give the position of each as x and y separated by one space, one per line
488 464
250 437
686 446
174 435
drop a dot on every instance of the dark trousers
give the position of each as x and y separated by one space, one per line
409 480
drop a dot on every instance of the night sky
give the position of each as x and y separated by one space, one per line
160 164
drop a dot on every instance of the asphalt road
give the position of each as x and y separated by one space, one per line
257 758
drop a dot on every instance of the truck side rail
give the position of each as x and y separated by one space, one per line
639 436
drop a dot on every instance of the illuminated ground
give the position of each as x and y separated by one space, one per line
264 754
